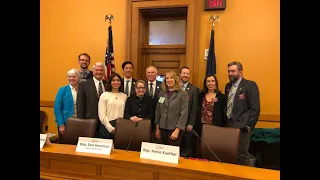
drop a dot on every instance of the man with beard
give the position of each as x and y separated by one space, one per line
188 142
89 92
84 62
128 83
243 107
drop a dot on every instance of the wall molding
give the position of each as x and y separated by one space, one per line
46 104
269 117
262 117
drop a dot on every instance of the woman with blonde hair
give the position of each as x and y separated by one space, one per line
172 111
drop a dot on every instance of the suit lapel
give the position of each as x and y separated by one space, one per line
166 100
228 88
133 85
157 88
147 90
173 95
239 89
68 91
188 87
93 88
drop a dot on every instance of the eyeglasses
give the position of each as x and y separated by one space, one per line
140 88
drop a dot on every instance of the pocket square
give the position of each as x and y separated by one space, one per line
242 96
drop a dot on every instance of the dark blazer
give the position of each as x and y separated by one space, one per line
173 112
193 101
133 84
219 110
89 76
133 107
245 110
87 100
157 91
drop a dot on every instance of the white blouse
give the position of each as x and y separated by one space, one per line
111 107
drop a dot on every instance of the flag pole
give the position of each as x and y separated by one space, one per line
109 57
211 58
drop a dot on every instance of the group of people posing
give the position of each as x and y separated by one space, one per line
174 106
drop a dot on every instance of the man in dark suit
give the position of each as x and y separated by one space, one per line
153 86
153 90
128 83
188 142
88 94
84 62
243 107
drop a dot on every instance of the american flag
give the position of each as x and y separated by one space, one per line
109 58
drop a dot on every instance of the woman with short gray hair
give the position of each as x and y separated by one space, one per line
65 102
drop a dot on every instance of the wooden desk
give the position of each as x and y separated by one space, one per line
59 161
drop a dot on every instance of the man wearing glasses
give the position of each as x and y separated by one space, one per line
84 62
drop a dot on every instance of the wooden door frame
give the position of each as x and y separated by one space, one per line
192 40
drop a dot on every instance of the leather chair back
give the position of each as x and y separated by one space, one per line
125 128
43 117
76 128
223 141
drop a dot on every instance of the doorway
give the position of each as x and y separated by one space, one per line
162 34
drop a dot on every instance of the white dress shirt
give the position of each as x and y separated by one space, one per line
154 86
129 85
96 82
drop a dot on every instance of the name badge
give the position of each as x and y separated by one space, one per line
161 99
94 145
160 152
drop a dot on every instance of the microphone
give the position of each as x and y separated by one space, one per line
135 127
195 133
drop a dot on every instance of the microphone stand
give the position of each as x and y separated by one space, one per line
135 127
206 145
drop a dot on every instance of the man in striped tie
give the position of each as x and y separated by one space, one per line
243 107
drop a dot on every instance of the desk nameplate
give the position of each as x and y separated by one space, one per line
94 145
160 152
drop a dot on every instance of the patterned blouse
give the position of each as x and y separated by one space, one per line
207 111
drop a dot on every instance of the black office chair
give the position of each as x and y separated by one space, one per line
125 128
76 128
223 141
